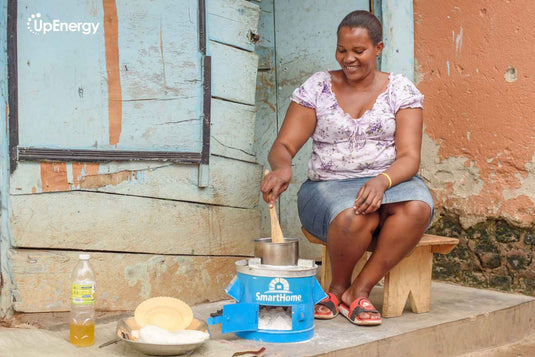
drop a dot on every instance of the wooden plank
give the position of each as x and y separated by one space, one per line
427 240
162 124
94 221
443 249
204 176
9 54
398 36
123 280
430 239
62 98
233 73
160 75
4 111
231 22
233 130
231 183
6 136
158 79
438 244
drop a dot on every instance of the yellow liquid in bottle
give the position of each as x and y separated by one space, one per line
83 335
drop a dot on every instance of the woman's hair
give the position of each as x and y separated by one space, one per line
366 20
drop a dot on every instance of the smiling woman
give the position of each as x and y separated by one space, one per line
366 128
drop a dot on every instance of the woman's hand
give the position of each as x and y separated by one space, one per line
274 184
408 141
370 195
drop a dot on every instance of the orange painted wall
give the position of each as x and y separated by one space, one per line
474 63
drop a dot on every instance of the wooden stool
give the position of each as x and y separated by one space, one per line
410 278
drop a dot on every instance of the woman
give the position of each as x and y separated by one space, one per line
366 127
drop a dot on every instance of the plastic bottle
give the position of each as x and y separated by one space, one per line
82 319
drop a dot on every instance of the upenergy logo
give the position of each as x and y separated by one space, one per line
32 19
38 26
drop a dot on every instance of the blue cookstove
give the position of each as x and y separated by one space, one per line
273 303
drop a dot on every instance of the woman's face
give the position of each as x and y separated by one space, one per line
356 53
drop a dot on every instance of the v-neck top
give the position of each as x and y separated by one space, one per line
344 147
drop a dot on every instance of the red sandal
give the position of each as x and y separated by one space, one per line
331 302
361 304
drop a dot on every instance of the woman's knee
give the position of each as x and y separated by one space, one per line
418 211
348 223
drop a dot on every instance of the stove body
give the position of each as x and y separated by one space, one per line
273 303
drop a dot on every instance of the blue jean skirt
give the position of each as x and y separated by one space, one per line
319 202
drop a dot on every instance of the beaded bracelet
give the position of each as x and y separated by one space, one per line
389 179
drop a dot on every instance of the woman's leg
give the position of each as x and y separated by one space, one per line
347 239
403 226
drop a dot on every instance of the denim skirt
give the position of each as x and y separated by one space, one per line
319 202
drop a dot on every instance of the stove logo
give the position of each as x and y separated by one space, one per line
279 285
278 291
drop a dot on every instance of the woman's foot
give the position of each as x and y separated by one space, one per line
328 307
358 309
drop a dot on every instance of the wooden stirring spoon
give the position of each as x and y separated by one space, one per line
276 231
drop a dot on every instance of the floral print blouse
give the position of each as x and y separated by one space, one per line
344 147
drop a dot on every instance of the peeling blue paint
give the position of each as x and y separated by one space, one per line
140 176
159 69
398 37
5 234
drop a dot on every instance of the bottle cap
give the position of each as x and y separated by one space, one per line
83 256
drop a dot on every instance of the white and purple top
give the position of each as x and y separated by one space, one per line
344 147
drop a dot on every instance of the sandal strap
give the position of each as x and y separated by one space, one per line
331 302
361 305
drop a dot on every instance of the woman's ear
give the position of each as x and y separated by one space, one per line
379 48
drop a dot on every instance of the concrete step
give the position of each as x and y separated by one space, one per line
461 320
523 348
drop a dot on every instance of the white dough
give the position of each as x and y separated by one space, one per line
159 335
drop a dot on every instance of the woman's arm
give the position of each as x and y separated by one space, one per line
298 126
408 142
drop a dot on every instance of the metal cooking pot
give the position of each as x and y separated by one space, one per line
285 253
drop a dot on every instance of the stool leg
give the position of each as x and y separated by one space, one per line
325 269
410 278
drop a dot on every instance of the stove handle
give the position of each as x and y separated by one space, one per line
217 313
318 293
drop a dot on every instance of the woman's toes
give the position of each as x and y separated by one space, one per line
364 315
367 315
321 309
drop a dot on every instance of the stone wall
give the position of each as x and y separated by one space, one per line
491 254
